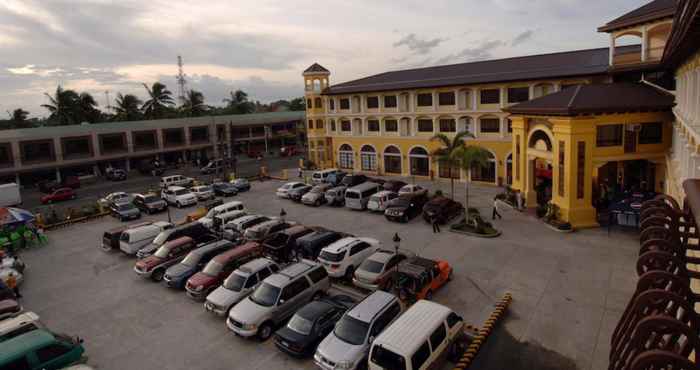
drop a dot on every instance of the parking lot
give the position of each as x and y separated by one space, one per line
568 289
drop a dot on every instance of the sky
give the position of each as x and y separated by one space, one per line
263 46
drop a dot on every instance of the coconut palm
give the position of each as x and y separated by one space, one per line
160 99
449 154
87 108
471 156
19 118
238 103
194 104
127 107
63 106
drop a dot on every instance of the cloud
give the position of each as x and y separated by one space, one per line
418 46
481 52
522 37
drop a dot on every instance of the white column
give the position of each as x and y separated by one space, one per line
645 44
475 92
612 48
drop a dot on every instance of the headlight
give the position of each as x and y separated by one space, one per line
249 326
198 288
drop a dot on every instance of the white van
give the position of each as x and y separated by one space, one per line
320 176
175 180
18 325
208 220
418 339
379 201
131 240
223 218
358 196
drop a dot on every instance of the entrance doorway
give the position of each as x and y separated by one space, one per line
543 180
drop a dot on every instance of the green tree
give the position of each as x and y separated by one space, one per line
194 104
297 104
159 102
86 109
127 108
238 103
449 153
19 119
472 156
63 106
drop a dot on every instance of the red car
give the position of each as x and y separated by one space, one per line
219 268
168 254
59 195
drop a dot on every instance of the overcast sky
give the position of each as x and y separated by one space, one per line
263 46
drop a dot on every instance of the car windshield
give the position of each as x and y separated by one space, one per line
352 195
182 192
351 330
331 256
192 259
235 282
213 268
372 266
162 252
287 186
300 325
151 199
318 189
265 295
160 239
123 237
253 234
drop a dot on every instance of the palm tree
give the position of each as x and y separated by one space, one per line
297 104
160 100
19 118
238 103
127 108
449 154
472 156
87 107
194 104
62 106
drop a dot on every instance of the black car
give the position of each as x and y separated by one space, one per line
150 203
353 180
393 185
444 209
195 230
296 193
311 324
124 211
405 207
309 246
224 189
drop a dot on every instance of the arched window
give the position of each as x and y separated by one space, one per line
540 141
345 157
368 158
392 160
308 104
486 173
318 103
419 161
319 123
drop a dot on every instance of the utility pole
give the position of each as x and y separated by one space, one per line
181 81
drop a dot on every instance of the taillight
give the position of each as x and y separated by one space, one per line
335 266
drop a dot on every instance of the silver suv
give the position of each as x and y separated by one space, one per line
277 299
239 284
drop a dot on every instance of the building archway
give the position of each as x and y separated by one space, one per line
419 161
368 158
346 157
392 160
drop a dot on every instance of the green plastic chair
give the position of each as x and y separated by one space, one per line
16 240
29 237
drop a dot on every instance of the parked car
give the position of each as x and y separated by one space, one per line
347 346
150 203
40 349
241 184
9 307
234 230
239 284
175 180
59 195
379 201
176 275
412 189
203 192
311 324
18 325
198 232
335 178
116 197
219 268
282 246
224 189
168 254
336 195
309 246
419 277
214 166
178 196
342 257
224 210
283 191
405 207
407 343
295 194
115 174
358 196
72 182
442 208
319 177
394 185
262 230
10 195
142 235
353 180
222 219
124 211
317 195
277 298
377 270
110 238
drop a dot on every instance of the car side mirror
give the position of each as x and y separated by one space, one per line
371 339
282 301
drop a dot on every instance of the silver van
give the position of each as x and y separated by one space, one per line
347 346
222 218
277 299
132 240
336 195
378 202
239 285
358 196
233 230
319 177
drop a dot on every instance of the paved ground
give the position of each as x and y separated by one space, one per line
569 290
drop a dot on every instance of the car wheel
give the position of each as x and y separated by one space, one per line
429 295
317 203
349 272
158 275
265 331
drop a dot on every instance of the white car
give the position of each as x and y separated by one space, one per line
203 192
118 197
412 188
343 256
178 196
283 191
379 201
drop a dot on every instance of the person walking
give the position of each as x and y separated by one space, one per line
301 173
12 284
496 203
436 224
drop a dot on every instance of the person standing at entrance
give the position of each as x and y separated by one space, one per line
436 224
495 213
12 284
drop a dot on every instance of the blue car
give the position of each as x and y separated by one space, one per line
176 275
241 184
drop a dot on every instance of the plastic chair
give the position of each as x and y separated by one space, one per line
30 237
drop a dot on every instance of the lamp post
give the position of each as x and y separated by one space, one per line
282 214
397 245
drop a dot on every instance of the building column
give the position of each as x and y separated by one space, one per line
529 180
58 150
645 44
16 154
612 49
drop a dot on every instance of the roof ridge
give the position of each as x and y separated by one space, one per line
573 97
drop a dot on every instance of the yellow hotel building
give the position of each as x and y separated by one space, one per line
567 124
